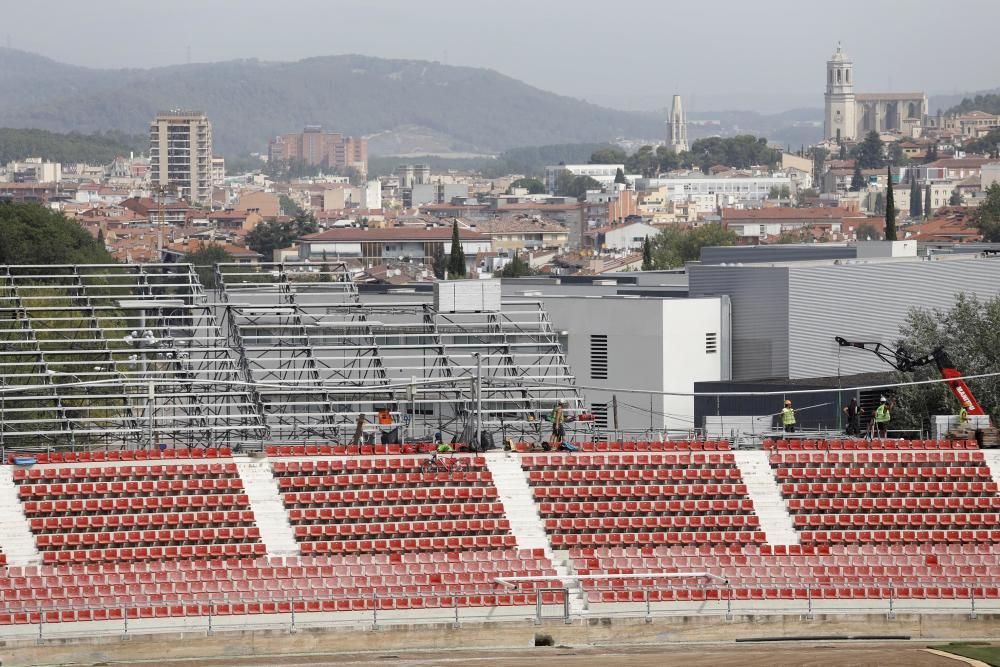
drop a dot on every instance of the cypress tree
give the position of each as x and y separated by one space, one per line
647 255
857 180
927 202
456 262
890 209
915 200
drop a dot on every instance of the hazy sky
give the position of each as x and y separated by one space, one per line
767 54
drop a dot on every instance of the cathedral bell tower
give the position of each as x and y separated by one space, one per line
840 121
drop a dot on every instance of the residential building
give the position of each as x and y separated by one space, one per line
523 233
375 246
952 168
168 213
628 237
317 148
265 203
764 222
180 153
710 193
218 171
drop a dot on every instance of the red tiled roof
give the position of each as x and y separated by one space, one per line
827 213
359 234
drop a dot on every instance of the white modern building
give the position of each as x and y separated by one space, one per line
649 344
602 173
710 193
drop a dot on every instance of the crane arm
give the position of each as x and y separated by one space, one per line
900 359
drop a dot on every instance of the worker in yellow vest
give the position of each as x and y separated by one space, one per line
882 417
788 417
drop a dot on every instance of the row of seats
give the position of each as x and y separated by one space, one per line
642 507
96 455
655 446
148 537
886 489
413 479
826 458
709 592
134 504
447 527
631 537
645 491
373 465
408 544
896 473
912 536
114 521
192 486
893 504
139 553
387 512
50 474
646 522
590 475
915 520
276 451
615 461
868 444
390 496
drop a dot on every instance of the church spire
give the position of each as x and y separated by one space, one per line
677 139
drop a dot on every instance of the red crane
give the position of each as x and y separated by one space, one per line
901 359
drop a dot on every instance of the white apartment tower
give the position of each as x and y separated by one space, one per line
677 132
180 153
841 107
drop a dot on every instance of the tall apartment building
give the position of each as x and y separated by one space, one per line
180 154
315 147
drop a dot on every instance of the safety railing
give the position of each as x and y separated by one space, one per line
544 602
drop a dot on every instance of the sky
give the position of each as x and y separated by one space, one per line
766 55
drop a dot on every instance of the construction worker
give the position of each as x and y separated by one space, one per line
359 429
788 417
882 417
963 416
853 412
558 429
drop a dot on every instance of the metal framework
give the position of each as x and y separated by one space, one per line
319 355
123 355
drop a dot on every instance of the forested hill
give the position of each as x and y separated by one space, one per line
17 144
249 101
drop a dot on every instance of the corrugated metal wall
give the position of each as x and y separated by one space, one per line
869 302
759 315
777 252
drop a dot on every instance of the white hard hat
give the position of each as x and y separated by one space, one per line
882 399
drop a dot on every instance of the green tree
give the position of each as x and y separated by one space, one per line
927 202
647 254
644 161
609 155
932 152
916 201
532 185
676 245
439 263
794 236
956 198
568 185
204 261
879 204
287 205
870 152
779 193
456 261
986 144
741 152
843 151
896 154
620 177
867 232
33 234
803 196
890 208
272 235
516 268
987 216
857 180
970 333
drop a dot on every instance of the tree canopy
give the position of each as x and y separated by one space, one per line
987 216
970 333
869 153
33 234
990 103
516 268
204 261
532 185
609 155
456 260
890 208
568 185
676 245
99 148
741 152
273 235
986 144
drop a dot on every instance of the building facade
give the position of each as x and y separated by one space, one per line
849 116
180 155
317 148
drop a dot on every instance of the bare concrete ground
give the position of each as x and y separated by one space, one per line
776 654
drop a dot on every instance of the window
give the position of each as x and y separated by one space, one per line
600 412
598 357
847 76
711 343
838 76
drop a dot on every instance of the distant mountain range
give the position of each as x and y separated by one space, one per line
405 106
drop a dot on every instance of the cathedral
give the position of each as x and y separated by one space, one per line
850 116
677 133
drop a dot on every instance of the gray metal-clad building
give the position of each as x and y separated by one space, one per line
776 252
785 316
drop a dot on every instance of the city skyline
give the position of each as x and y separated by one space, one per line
559 47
